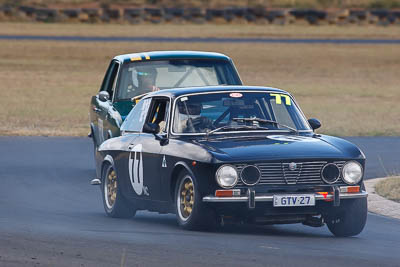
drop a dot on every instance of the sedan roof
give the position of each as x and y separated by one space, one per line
225 88
160 55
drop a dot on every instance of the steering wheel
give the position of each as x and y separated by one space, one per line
220 118
200 123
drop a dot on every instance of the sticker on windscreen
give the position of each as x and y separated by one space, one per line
278 99
235 95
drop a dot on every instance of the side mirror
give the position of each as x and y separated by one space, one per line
104 96
314 123
151 128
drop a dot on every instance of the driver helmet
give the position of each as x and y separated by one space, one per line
146 75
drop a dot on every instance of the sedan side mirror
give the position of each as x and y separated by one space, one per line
154 129
104 96
314 123
151 128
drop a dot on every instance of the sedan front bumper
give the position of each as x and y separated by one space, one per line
251 204
270 197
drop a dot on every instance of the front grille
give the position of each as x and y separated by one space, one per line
281 173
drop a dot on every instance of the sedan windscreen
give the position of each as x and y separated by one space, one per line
236 111
138 78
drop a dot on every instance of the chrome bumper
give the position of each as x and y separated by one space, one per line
270 197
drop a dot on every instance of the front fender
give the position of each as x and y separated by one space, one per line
348 149
108 159
184 165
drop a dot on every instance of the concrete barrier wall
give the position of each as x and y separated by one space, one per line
156 15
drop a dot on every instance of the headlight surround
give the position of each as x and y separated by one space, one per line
227 176
352 172
330 173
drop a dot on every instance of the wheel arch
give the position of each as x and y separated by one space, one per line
108 159
178 168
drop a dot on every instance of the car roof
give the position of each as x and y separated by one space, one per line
160 55
204 89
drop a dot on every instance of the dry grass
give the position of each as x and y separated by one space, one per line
389 188
354 89
207 30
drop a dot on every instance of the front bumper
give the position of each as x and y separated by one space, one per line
270 197
259 206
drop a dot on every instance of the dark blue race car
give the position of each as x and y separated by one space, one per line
231 153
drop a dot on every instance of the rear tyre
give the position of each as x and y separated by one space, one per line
94 145
191 212
350 218
94 151
115 204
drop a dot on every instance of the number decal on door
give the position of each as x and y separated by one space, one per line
136 169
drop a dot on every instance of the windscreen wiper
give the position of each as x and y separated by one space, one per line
234 128
265 121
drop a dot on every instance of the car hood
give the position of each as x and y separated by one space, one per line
280 147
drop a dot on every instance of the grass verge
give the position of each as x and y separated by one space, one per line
389 188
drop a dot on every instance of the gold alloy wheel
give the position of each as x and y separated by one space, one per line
186 194
111 188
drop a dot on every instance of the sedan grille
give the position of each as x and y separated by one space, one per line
282 173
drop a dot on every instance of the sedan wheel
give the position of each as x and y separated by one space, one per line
110 189
350 218
191 212
185 199
114 202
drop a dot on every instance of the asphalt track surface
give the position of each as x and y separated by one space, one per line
51 216
199 39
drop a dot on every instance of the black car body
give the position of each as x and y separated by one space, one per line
173 69
231 153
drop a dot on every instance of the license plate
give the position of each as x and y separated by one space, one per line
294 200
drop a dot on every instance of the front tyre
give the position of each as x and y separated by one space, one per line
349 219
115 204
191 212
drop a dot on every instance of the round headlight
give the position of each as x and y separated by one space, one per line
226 176
250 175
352 172
330 173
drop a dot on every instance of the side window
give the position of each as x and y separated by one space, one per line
109 79
159 113
135 120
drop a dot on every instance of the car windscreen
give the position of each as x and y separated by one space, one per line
228 111
137 78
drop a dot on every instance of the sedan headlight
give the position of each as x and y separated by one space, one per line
226 176
352 172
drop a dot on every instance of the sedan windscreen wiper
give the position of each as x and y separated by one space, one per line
265 121
234 128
